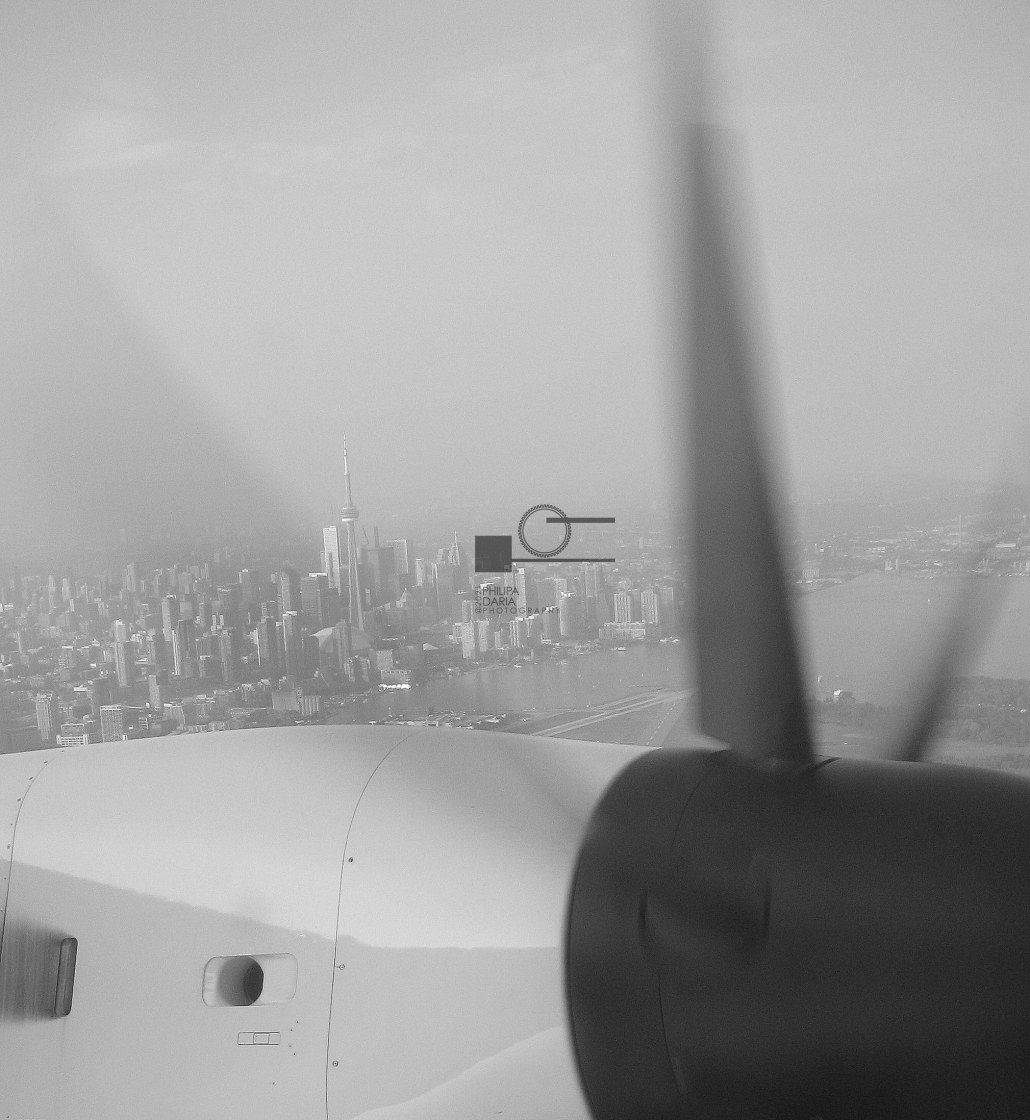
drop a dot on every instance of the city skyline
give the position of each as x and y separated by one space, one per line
138 652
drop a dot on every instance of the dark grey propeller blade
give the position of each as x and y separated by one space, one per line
972 617
749 680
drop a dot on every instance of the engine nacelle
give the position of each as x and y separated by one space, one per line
335 921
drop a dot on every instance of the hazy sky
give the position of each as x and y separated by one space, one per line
231 233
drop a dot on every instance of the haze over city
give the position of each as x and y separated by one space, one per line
229 238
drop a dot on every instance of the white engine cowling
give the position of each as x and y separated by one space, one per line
340 921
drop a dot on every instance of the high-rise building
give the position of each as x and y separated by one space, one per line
594 596
268 646
332 555
443 585
309 658
650 607
124 663
624 607
525 590
403 559
349 518
667 596
169 615
568 615
229 649
184 649
293 644
315 600
518 632
344 644
383 584
157 686
289 590
157 650
48 716
593 580
248 588
99 693
6 734
112 722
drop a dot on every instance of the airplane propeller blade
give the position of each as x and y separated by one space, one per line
749 680
972 618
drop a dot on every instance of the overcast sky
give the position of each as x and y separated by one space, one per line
232 233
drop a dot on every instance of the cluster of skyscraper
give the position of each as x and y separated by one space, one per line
213 642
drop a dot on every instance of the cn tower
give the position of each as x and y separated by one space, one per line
349 517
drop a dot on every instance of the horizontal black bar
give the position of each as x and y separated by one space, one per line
580 520
563 560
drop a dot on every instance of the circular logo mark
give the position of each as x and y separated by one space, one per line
544 553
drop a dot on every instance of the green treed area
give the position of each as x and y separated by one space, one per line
978 710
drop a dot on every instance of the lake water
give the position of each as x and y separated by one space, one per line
874 636
543 687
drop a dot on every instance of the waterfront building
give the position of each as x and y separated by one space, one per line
525 590
626 631
568 615
624 607
157 687
72 738
112 723
667 596
307 699
650 607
